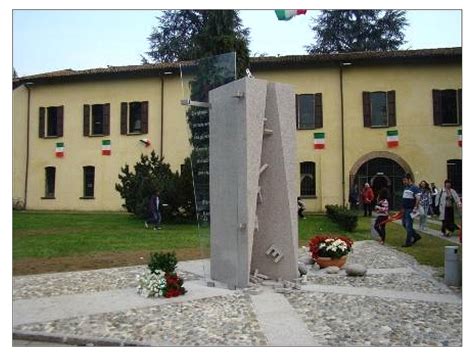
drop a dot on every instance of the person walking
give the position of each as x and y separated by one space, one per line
434 195
154 211
425 202
410 203
354 197
446 201
367 199
301 207
381 211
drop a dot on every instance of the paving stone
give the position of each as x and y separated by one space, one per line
355 270
332 269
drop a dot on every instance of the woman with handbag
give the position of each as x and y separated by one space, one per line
447 200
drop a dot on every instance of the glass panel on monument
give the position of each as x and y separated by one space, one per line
197 79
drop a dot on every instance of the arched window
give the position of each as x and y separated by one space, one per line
308 178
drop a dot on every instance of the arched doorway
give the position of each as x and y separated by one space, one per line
384 170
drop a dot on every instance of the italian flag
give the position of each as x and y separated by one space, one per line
145 141
319 141
106 149
285 15
392 139
59 150
459 137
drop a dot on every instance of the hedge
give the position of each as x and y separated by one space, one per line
344 217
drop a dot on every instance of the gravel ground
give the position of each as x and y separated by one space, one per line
332 318
346 320
70 283
228 320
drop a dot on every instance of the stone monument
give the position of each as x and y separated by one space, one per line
252 181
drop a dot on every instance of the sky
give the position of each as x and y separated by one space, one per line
48 40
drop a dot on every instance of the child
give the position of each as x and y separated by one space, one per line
381 210
301 208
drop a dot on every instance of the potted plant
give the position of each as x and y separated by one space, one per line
328 250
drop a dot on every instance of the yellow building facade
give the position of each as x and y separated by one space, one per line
356 100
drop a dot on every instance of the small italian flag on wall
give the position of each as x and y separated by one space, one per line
459 137
319 140
59 150
285 15
106 147
392 139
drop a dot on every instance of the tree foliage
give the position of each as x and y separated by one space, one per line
339 31
193 34
149 174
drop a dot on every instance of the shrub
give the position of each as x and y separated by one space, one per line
149 174
344 217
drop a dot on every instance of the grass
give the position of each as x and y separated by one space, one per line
46 235
49 235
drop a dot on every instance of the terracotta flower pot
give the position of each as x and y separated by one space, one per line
325 261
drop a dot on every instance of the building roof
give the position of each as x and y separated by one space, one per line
256 63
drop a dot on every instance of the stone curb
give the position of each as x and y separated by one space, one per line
73 340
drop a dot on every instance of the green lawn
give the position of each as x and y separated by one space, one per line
61 234
47 235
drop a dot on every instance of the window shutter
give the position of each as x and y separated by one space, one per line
318 110
460 106
392 118
296 112
86 121
366 108
437 113
144 116
107 119
123 117
41 122
60 121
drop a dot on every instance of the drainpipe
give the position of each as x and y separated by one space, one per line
28 86
343 157
162 114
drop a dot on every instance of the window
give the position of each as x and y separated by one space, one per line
51 121
89 174
379 109
447 107
455 174
308 179
309 111
50 181
96 120
134 117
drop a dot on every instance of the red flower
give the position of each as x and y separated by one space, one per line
172 293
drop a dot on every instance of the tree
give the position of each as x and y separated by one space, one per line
15 74
339 31
193 34
149 174
174 38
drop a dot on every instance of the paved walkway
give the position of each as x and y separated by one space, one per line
434 232
398 303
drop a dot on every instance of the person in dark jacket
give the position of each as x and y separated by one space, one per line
154 211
